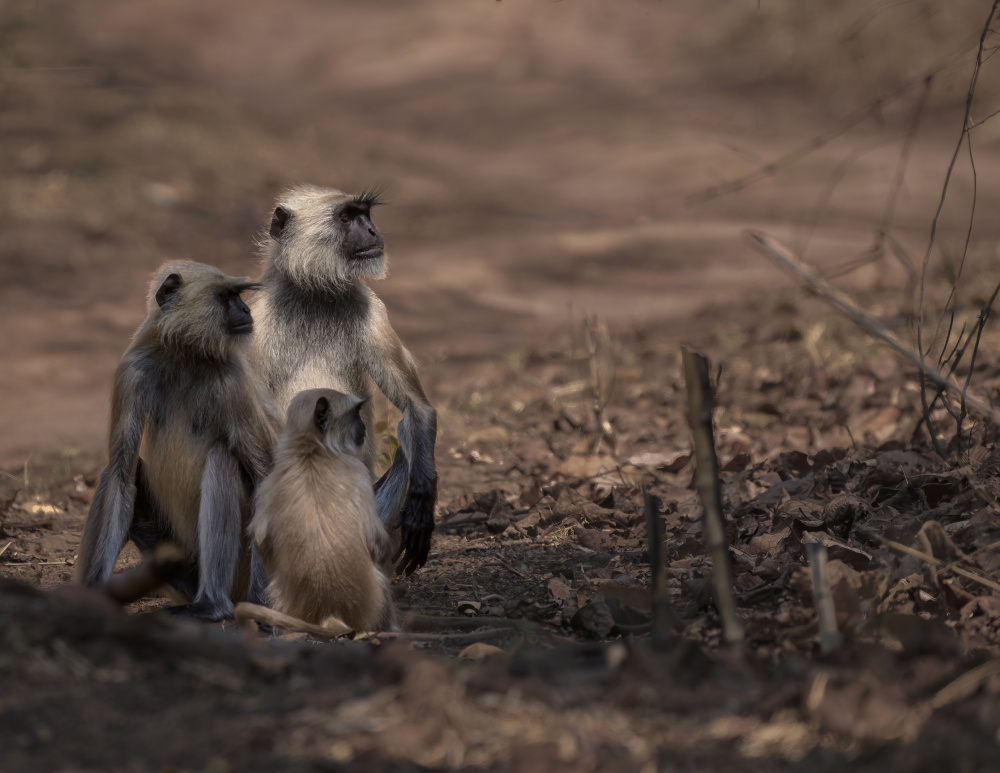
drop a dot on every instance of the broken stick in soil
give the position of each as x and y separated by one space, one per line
665 622
830 637
699 390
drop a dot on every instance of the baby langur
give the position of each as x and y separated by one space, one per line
319 325
326 553
185 401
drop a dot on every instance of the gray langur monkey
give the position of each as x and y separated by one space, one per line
326 552
318 325
191 436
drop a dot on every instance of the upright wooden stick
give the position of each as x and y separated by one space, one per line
665 622
699 391
829 637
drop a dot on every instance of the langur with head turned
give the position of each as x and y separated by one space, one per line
319 325
325 550
191 436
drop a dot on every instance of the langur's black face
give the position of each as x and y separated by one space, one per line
238 319
336 416
209 310
361 239
327 238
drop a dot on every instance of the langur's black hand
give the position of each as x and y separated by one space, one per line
416 529
202 610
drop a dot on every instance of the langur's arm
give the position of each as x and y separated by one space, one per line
395 372
253 446
253 439
220 527
112 507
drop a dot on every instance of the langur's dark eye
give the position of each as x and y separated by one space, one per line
345 217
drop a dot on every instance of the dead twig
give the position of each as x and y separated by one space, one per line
787 260
165 563
795 155
464 519
965 685
665 622
963 137
830 638
938 563
4 548
904 159
699 392
984 317
508 567
448 638
601 359
415 623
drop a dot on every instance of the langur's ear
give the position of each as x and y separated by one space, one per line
279 220
321 415
170 286
358 429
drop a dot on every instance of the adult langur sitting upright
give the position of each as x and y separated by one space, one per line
319 326
191 436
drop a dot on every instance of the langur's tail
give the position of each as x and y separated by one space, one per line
331 628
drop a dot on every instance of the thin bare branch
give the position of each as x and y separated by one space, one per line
824 198
784 257
963 137
984 316
904 160
938 563
797 154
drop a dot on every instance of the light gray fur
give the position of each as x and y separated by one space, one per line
319 326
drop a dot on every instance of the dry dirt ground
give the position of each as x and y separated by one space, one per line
562 219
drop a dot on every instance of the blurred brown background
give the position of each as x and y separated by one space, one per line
540 159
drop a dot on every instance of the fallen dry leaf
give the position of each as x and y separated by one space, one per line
838 550
577 466
480 651
768 544
672 462
559 589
